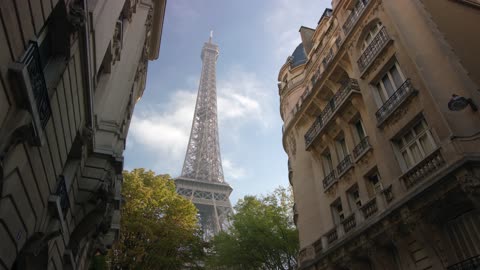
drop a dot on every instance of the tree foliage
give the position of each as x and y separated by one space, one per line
159 228
262 235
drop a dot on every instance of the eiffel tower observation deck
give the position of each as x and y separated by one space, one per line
202 180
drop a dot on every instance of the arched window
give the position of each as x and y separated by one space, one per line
371 34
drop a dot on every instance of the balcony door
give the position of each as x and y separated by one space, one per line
389 83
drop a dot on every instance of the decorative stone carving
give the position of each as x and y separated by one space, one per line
470 184
76 17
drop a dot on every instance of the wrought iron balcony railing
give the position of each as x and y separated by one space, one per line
423 169
325 115
369 208
344 165
332 235
361 148
353 17
472 263
373 49
349 223
392 103
329 180
30 78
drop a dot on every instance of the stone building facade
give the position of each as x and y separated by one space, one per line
71 72
383 135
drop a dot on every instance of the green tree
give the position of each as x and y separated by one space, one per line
262 235
159 228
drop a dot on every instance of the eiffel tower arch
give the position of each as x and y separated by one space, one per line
202 180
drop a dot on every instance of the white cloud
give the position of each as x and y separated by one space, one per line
232 171
164 129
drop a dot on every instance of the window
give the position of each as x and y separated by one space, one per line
389 83
359 130
371 34
354 197
375 183
327 163
341 148
415 145
53 46
337 211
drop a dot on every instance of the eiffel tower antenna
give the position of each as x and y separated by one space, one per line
202 180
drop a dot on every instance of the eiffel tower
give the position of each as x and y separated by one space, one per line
202 179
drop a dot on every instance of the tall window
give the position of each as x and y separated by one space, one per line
415 145
359 130
337 211
371 34
341 148
389 83
375 182
327 163
354 197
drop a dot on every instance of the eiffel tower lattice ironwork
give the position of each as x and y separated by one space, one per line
202 180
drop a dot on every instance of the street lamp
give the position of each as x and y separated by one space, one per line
458 103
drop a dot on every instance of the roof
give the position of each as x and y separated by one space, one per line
298 56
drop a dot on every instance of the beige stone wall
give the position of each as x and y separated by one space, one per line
36 230
419 37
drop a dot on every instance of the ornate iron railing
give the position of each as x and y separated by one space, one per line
405 90
63 194
326 114
349 223
344 165
354 15
317 245
423 169
33 65
329 179
472 263
373 49
369 208
332 235
361 147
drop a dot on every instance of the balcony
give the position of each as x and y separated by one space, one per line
423 169
329 180
369 208
344 165
349 223
28 73
332 235
326 114
354 15
472 263
361 148
394 101
378 43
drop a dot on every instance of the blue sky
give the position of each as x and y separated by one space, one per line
255 38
